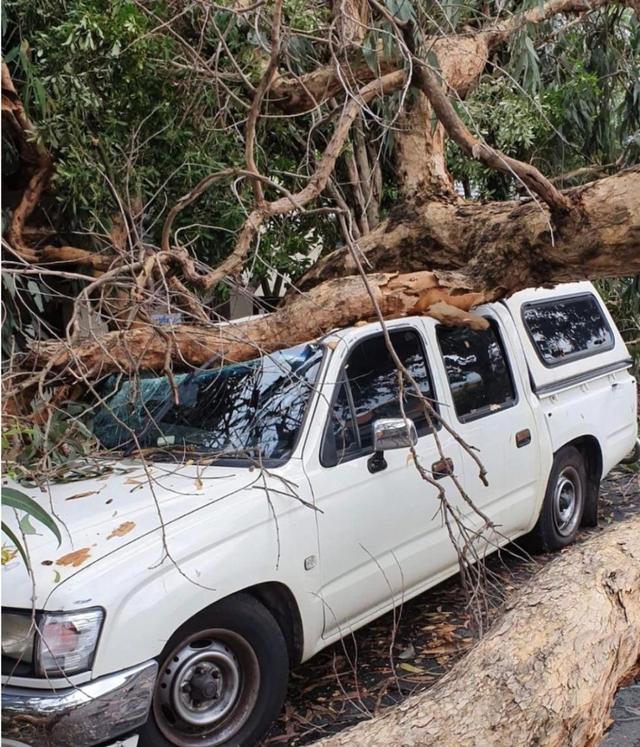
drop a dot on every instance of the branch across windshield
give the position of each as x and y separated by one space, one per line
249 411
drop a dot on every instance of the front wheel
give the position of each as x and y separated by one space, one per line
222 679
564 502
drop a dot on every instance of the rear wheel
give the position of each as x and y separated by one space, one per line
222 679
564 502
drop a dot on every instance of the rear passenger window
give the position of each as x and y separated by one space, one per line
565 329
477 369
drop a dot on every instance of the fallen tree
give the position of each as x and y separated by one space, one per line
547 671
434 252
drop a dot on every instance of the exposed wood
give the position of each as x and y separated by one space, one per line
546 673
419 151
337 303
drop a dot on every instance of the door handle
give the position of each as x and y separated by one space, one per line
523 438
442 468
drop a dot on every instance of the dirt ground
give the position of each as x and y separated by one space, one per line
397 655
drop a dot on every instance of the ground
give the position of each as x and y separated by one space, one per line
410 650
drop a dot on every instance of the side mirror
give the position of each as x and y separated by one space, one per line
394 433
390 433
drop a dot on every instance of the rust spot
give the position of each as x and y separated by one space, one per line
75 558
123 529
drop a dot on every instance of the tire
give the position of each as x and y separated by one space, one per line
222 679
564 502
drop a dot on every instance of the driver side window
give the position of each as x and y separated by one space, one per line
371 389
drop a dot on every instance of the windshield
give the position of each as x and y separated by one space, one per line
251 411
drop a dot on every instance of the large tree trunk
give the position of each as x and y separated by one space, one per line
506 245
546 673
337 303
498 248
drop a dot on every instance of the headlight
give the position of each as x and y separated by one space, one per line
58 644
67 641
18 634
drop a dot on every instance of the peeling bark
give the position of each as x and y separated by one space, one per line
499 248
546 673
337 303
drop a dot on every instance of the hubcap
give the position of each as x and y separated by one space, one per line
203 685
567 501
206 689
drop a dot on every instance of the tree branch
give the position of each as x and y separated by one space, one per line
529 175
506 243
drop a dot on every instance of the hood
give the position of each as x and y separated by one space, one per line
99 515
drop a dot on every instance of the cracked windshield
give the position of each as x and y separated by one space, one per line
250 411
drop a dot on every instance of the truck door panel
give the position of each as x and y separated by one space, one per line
492 414
380 533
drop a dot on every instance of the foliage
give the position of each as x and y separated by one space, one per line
623 301
33 449
129 122
559 98
134 124
29 509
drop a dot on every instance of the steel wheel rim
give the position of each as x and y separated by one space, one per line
567 501
206 689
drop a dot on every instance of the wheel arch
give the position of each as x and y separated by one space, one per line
591 451
280 602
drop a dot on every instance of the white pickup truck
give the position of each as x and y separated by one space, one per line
279 508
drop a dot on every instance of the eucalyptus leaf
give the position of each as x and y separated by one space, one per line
16 542
22 502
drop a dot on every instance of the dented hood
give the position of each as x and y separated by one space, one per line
99 515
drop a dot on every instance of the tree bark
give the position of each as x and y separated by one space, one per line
337 303
498 249
547 671
505 245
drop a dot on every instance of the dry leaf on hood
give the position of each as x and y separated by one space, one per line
82 495
75 558
123 529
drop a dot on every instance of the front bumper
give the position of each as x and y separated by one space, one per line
81 716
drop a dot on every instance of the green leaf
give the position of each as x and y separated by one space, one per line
12 537
411 668
370 54
401 9
26 526
41 96
19 500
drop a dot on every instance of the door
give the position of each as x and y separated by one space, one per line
380 532
492 414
